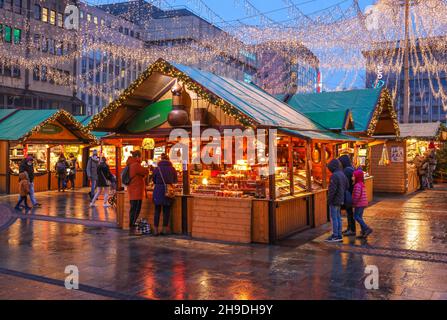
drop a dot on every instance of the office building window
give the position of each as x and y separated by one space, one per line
126 31
81 14
53 17
89 17
2 3
1 36
18 6
17 36
95 20
36 74
8 35
45 14
60 20
43 74
37 12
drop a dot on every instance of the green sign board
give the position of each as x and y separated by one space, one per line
151 117
51 129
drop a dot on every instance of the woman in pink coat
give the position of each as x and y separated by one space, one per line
360 202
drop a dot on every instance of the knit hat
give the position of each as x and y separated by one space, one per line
359 176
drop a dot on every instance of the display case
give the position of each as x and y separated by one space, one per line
18 153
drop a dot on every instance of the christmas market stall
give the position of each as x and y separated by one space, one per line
367 114
414 141
237 198
44 134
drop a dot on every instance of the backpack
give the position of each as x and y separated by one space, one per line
125 176
61 167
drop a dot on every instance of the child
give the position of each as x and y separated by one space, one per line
24 189
360 202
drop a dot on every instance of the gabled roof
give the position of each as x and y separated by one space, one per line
23 123
362 104
249 104
420 130
334 120
85 120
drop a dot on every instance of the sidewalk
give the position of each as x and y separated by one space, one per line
408 246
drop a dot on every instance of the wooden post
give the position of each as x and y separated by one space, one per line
85 156
118 168
48 167
272 198
324 166
292 186
308 166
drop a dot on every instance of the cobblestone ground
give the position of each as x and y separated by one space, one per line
409 247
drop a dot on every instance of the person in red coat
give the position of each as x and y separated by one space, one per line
136 187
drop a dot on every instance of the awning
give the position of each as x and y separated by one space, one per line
150 117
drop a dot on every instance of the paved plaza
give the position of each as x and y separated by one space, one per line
409 247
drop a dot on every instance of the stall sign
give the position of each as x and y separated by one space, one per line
397 154
148 144
151 117
51 128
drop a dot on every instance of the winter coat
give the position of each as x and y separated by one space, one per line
348 170
61 174
359 195
338 184
24 186
24 167
92 168
105 177
170 177
136 187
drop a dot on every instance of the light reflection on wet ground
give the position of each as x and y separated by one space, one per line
408 246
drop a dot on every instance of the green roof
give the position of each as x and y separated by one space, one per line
5 112
22 122
332 120
362 104
318 135
250 100
85 120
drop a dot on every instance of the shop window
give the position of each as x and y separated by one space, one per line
45 14
17 36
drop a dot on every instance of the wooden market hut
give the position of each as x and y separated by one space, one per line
293 198
367 114
45 134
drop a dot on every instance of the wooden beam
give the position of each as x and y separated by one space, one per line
290 150
324 166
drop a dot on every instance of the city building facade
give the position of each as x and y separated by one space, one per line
424 105
37 69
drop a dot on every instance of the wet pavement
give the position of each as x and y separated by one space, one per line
408 247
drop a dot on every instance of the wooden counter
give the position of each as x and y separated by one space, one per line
147 212
40 183
320 208
413 183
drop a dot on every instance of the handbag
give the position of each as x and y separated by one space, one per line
169 188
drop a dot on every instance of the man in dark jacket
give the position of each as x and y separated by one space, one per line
348 170
27 166
336 197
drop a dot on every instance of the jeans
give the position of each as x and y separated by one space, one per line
98 192
166 215
135 209
336 220
358 215
22 199
351 220
93 186
72 179
61 182
32 194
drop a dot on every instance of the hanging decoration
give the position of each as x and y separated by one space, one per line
384 159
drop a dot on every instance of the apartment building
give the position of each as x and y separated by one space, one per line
37 70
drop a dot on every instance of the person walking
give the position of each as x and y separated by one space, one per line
92 172
61 172
104 181
164 176
24 190
135 188
423 172
27 165
360 202
348 170
338 185
72 166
